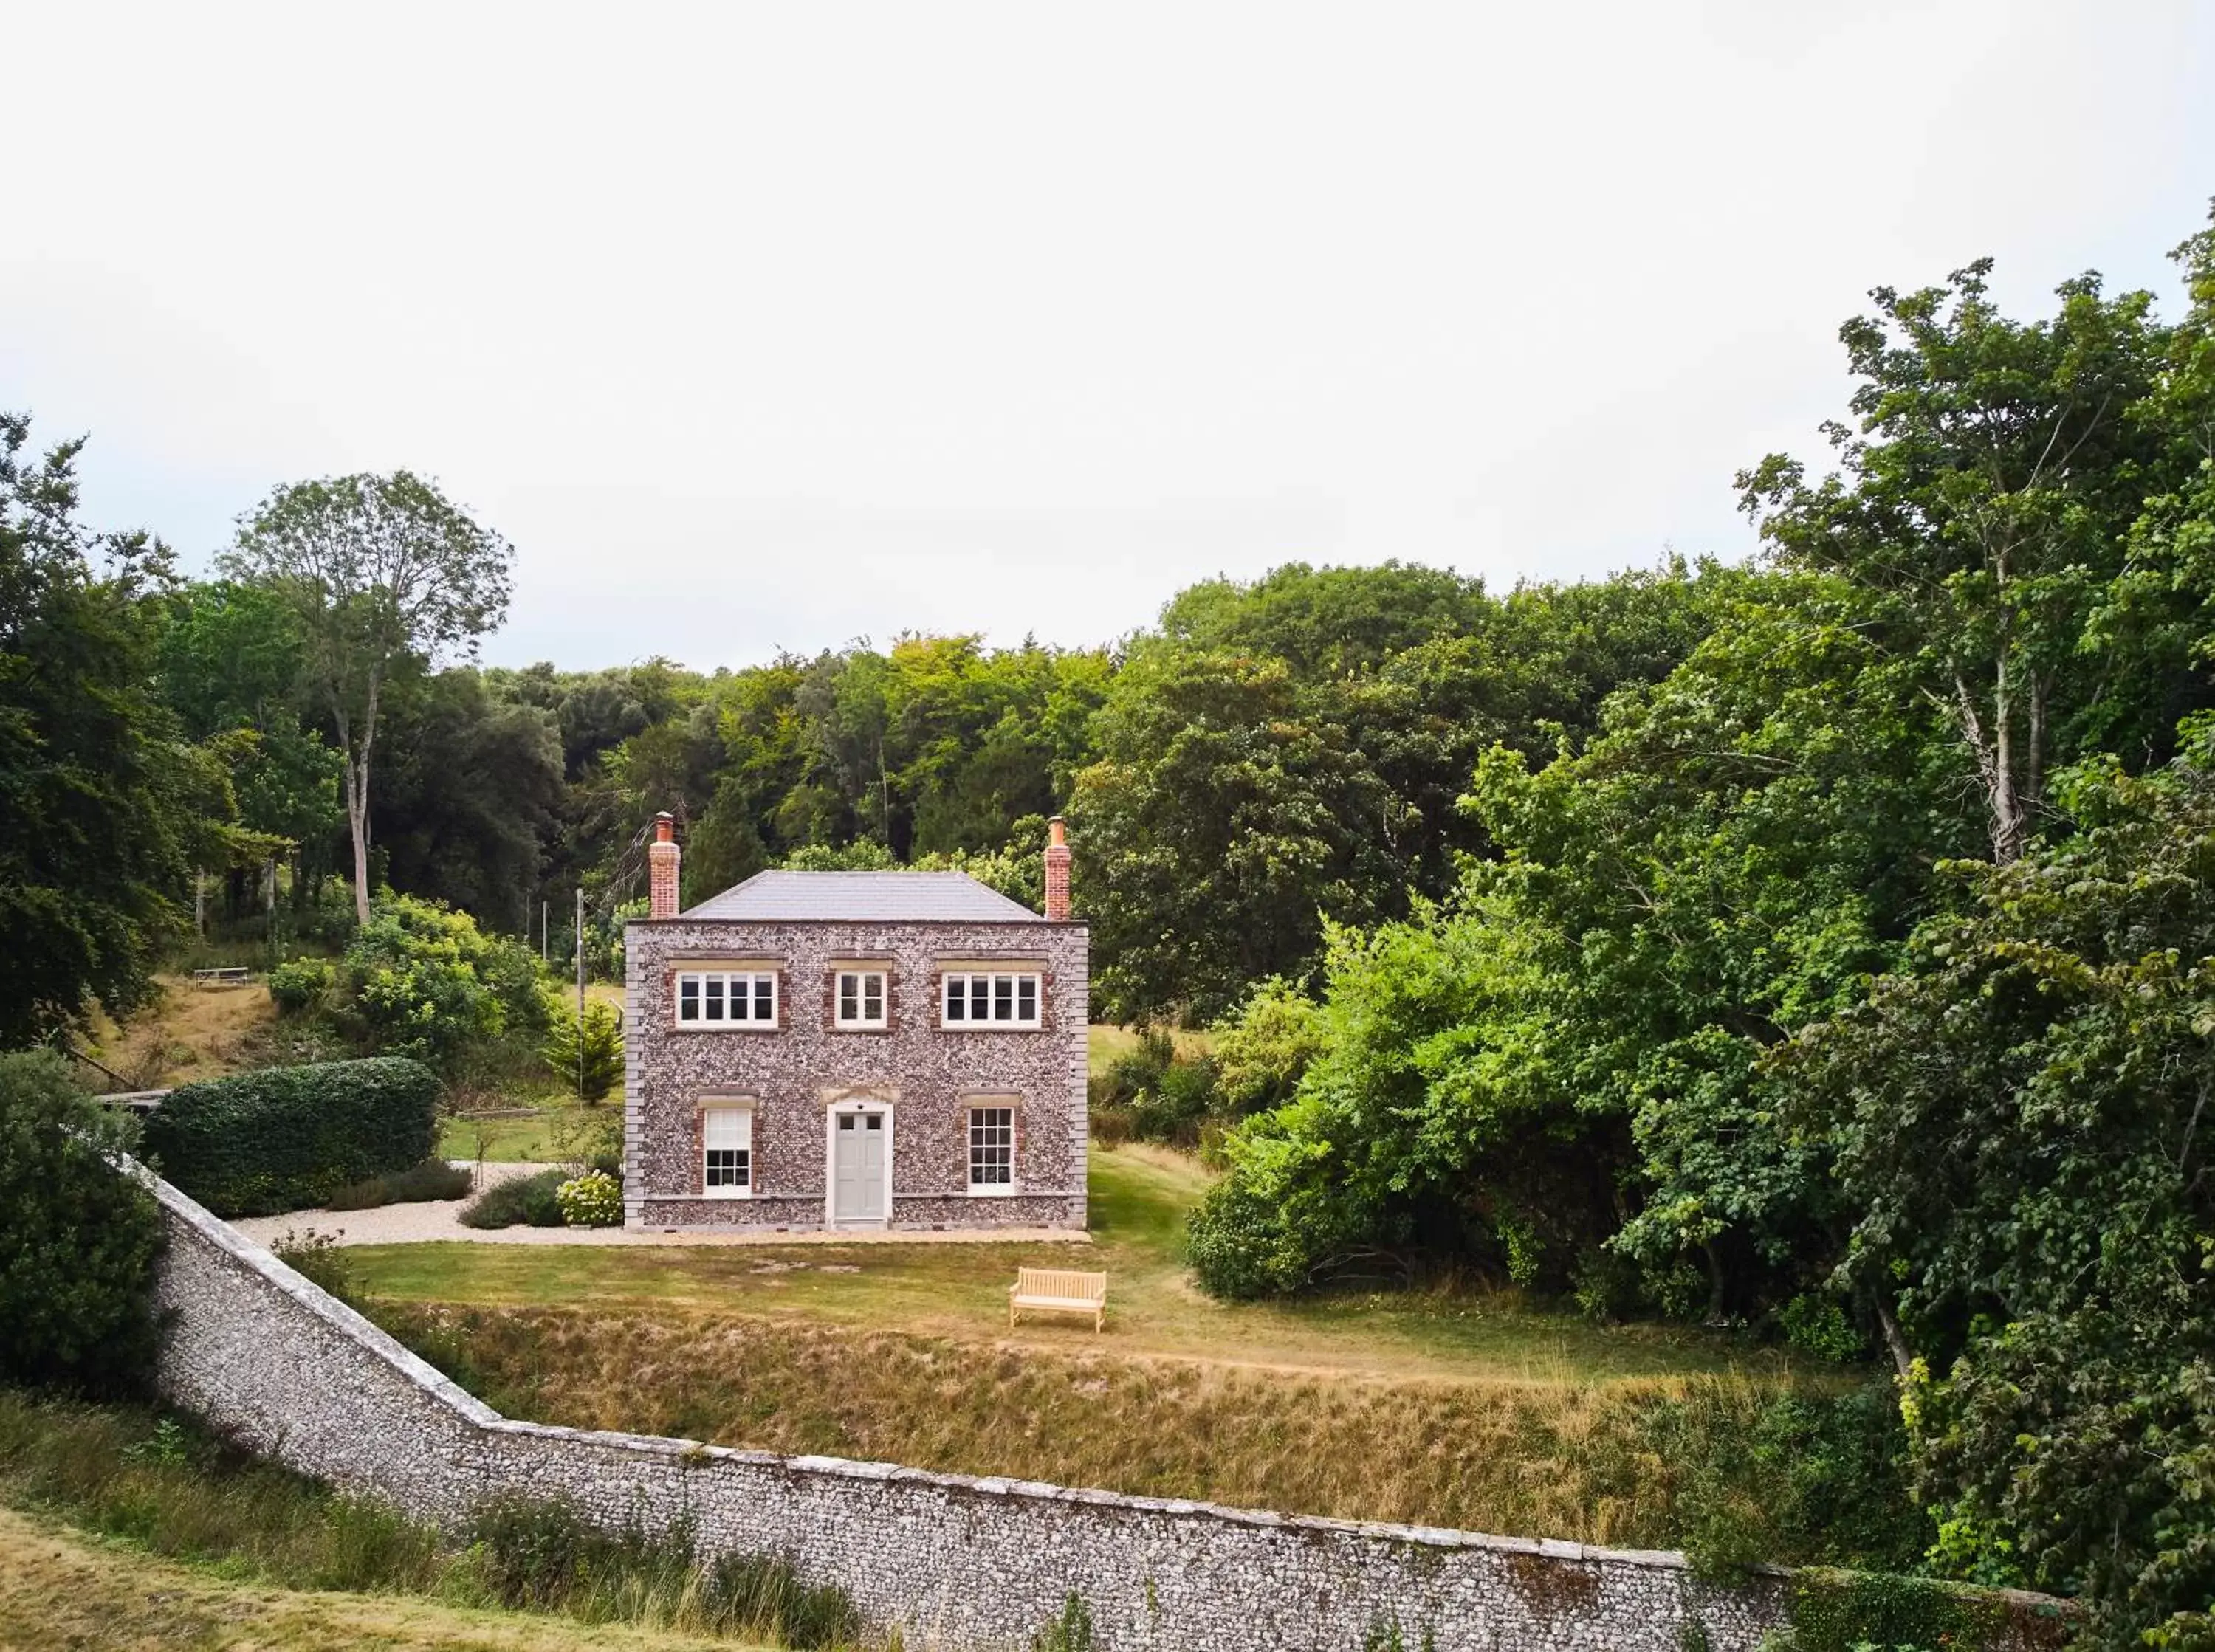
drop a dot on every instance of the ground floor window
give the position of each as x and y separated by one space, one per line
726 1138
991 1149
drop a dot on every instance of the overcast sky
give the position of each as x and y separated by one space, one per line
776 326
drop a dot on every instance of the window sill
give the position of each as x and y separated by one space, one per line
992 1191
725 1193
725 1026
989 1026
861 1026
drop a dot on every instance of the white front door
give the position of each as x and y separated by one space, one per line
857 1167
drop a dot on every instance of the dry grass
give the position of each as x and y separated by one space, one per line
189 1032
1551 1460
59 1588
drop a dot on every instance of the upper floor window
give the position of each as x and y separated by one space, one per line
861 998
744 1001
996 999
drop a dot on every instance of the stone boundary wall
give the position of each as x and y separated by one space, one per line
959 1564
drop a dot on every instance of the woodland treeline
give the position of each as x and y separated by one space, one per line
1824 947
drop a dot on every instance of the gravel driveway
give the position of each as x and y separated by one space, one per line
437 1218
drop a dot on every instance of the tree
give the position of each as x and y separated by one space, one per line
2020 1117
105 810
232 668
380 572
1984 505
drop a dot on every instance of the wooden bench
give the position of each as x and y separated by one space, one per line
234 976
1055 1290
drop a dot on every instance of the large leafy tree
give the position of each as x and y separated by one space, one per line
1983 504
2020 1118
105 810
378 572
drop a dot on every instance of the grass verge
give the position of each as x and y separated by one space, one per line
61 1588
159 1486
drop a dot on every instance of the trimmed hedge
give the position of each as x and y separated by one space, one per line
286 1138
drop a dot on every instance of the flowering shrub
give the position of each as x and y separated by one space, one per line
593 1200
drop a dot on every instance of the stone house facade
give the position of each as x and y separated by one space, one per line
863 1050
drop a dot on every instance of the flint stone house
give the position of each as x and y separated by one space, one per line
855 1050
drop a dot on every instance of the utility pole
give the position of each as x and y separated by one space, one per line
545 923
580 992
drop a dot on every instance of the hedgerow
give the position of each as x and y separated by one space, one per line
286 1138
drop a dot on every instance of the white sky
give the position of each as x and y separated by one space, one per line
785 324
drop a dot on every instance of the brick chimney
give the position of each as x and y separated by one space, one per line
1057 870
661 867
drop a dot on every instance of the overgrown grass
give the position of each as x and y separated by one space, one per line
1652 1463
160 1483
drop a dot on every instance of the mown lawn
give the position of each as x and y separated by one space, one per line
958 1291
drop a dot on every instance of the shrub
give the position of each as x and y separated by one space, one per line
78 1238
317 1259
287 1138
1261 1052
435 1179
423 981
525 1201
602 1053
591 1141
593 1200
298 986
1178 1105
1811 1477
1165 1096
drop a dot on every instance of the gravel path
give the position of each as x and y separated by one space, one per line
438 1218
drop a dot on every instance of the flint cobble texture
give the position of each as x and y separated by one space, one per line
930 1075
954 1562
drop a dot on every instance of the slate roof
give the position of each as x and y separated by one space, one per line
863 897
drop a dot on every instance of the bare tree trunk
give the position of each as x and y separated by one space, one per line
2007 803
357 808
1903 1359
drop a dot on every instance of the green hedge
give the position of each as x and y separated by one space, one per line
286 1138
